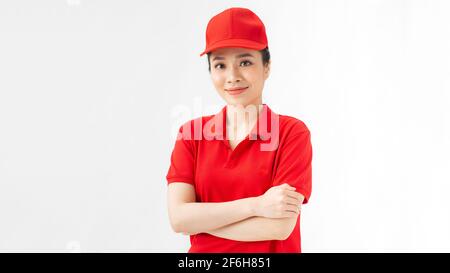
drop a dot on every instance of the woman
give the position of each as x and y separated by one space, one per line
237 179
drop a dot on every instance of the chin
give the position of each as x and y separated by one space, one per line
237 102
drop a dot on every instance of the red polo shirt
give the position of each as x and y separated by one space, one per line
276 151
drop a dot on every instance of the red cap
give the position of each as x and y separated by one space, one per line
235 27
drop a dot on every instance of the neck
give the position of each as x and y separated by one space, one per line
240 119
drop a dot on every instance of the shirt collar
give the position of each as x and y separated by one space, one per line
262 128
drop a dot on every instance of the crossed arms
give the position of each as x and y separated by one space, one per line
271 216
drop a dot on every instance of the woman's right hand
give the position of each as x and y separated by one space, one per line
279 202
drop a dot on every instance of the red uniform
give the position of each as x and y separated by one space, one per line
221 174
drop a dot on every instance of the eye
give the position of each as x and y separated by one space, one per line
246 62
217 65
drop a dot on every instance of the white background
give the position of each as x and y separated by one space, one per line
91 91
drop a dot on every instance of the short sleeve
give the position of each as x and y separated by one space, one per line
182 160
294 164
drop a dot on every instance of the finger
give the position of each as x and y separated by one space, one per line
302 199
293 208
292 201
293 194
299 196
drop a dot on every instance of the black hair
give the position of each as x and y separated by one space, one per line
265 55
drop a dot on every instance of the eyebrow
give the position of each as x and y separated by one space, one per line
237 56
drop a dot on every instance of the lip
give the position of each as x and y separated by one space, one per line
236 91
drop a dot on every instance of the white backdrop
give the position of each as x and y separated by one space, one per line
91 91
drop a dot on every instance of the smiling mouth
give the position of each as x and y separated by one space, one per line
236 91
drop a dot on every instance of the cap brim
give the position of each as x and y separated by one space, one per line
235 43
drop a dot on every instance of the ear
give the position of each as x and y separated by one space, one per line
267 70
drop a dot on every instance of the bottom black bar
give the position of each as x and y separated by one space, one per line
190 262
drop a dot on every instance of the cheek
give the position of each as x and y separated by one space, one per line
254 80
253 74
216 79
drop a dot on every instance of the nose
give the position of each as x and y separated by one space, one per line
233 75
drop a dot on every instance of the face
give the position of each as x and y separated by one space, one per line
233 68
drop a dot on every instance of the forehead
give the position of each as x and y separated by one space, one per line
233 53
